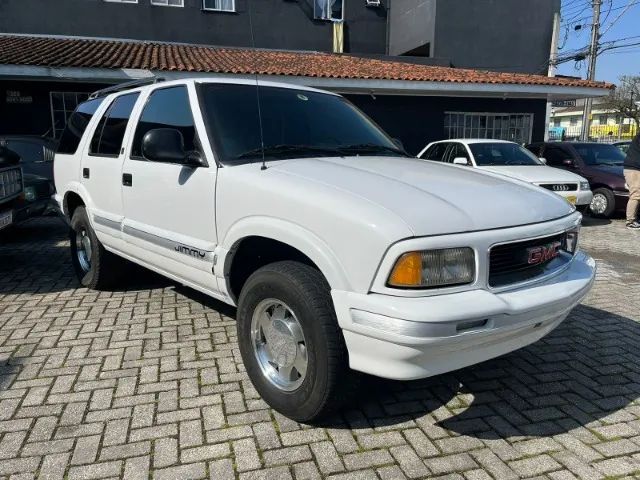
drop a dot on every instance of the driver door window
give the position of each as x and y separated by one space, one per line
555 156
166 108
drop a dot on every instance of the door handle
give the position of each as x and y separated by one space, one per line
127 179
85 173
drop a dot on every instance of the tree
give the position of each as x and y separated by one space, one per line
625 99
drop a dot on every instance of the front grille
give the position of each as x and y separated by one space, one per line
510 263
561 187
10 183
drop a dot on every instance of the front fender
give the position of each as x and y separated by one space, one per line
283 231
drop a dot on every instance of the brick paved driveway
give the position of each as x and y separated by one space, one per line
148 382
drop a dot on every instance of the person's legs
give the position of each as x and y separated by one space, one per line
632 177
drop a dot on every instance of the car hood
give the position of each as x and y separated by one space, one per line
535 173
431 198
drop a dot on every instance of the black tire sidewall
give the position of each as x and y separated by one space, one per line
611 202
80 220
304 402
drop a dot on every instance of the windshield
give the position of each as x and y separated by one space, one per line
295 123
599 154
489 154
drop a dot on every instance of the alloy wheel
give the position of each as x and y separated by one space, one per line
279 344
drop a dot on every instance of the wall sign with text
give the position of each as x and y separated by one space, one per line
16 96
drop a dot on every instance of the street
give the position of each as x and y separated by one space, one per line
148 382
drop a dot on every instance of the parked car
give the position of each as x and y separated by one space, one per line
623 146
339 250
10 185
36 159
512 160
601 164
36 153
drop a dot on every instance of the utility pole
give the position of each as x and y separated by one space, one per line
553 60
591 73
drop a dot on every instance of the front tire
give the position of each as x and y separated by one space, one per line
95 267
290 341
603 203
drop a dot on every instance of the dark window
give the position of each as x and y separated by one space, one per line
556 155
599 154
166 108
457 151
76 126
107 139
29 151
535 149
436 152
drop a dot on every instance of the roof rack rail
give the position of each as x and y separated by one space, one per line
125 86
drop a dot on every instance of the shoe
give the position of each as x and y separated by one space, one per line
635 225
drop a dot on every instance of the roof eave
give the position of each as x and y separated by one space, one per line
340 85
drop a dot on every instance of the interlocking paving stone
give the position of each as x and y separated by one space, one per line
147 382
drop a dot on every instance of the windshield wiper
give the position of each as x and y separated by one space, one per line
287 149
371 148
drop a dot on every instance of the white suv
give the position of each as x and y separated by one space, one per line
340 251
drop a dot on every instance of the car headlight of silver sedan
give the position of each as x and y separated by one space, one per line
584 186
434 268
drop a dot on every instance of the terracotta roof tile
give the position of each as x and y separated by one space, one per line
76 52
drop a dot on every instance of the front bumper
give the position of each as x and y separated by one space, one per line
409 338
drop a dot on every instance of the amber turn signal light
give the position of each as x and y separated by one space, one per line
407 271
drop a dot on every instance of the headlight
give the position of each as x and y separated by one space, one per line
30 194
571 244
584 186
434 268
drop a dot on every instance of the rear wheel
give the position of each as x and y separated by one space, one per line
290 341
95 267
603 203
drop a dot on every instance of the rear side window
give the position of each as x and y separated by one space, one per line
166 108
76 125
436 152
556 155
107 139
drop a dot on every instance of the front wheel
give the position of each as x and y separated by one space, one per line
603 203
95 267
290 341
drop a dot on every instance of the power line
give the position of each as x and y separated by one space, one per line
574 20
629 4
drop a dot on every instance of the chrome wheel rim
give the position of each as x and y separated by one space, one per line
279 344
83 249
599 204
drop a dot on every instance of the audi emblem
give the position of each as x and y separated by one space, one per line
560 188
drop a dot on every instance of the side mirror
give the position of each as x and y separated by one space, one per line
568 162
167 145
543 160
460 161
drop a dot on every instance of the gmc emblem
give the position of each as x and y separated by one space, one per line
544 253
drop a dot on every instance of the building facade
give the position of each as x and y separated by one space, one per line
502 35
606 125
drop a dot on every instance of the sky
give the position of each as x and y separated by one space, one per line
611 64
